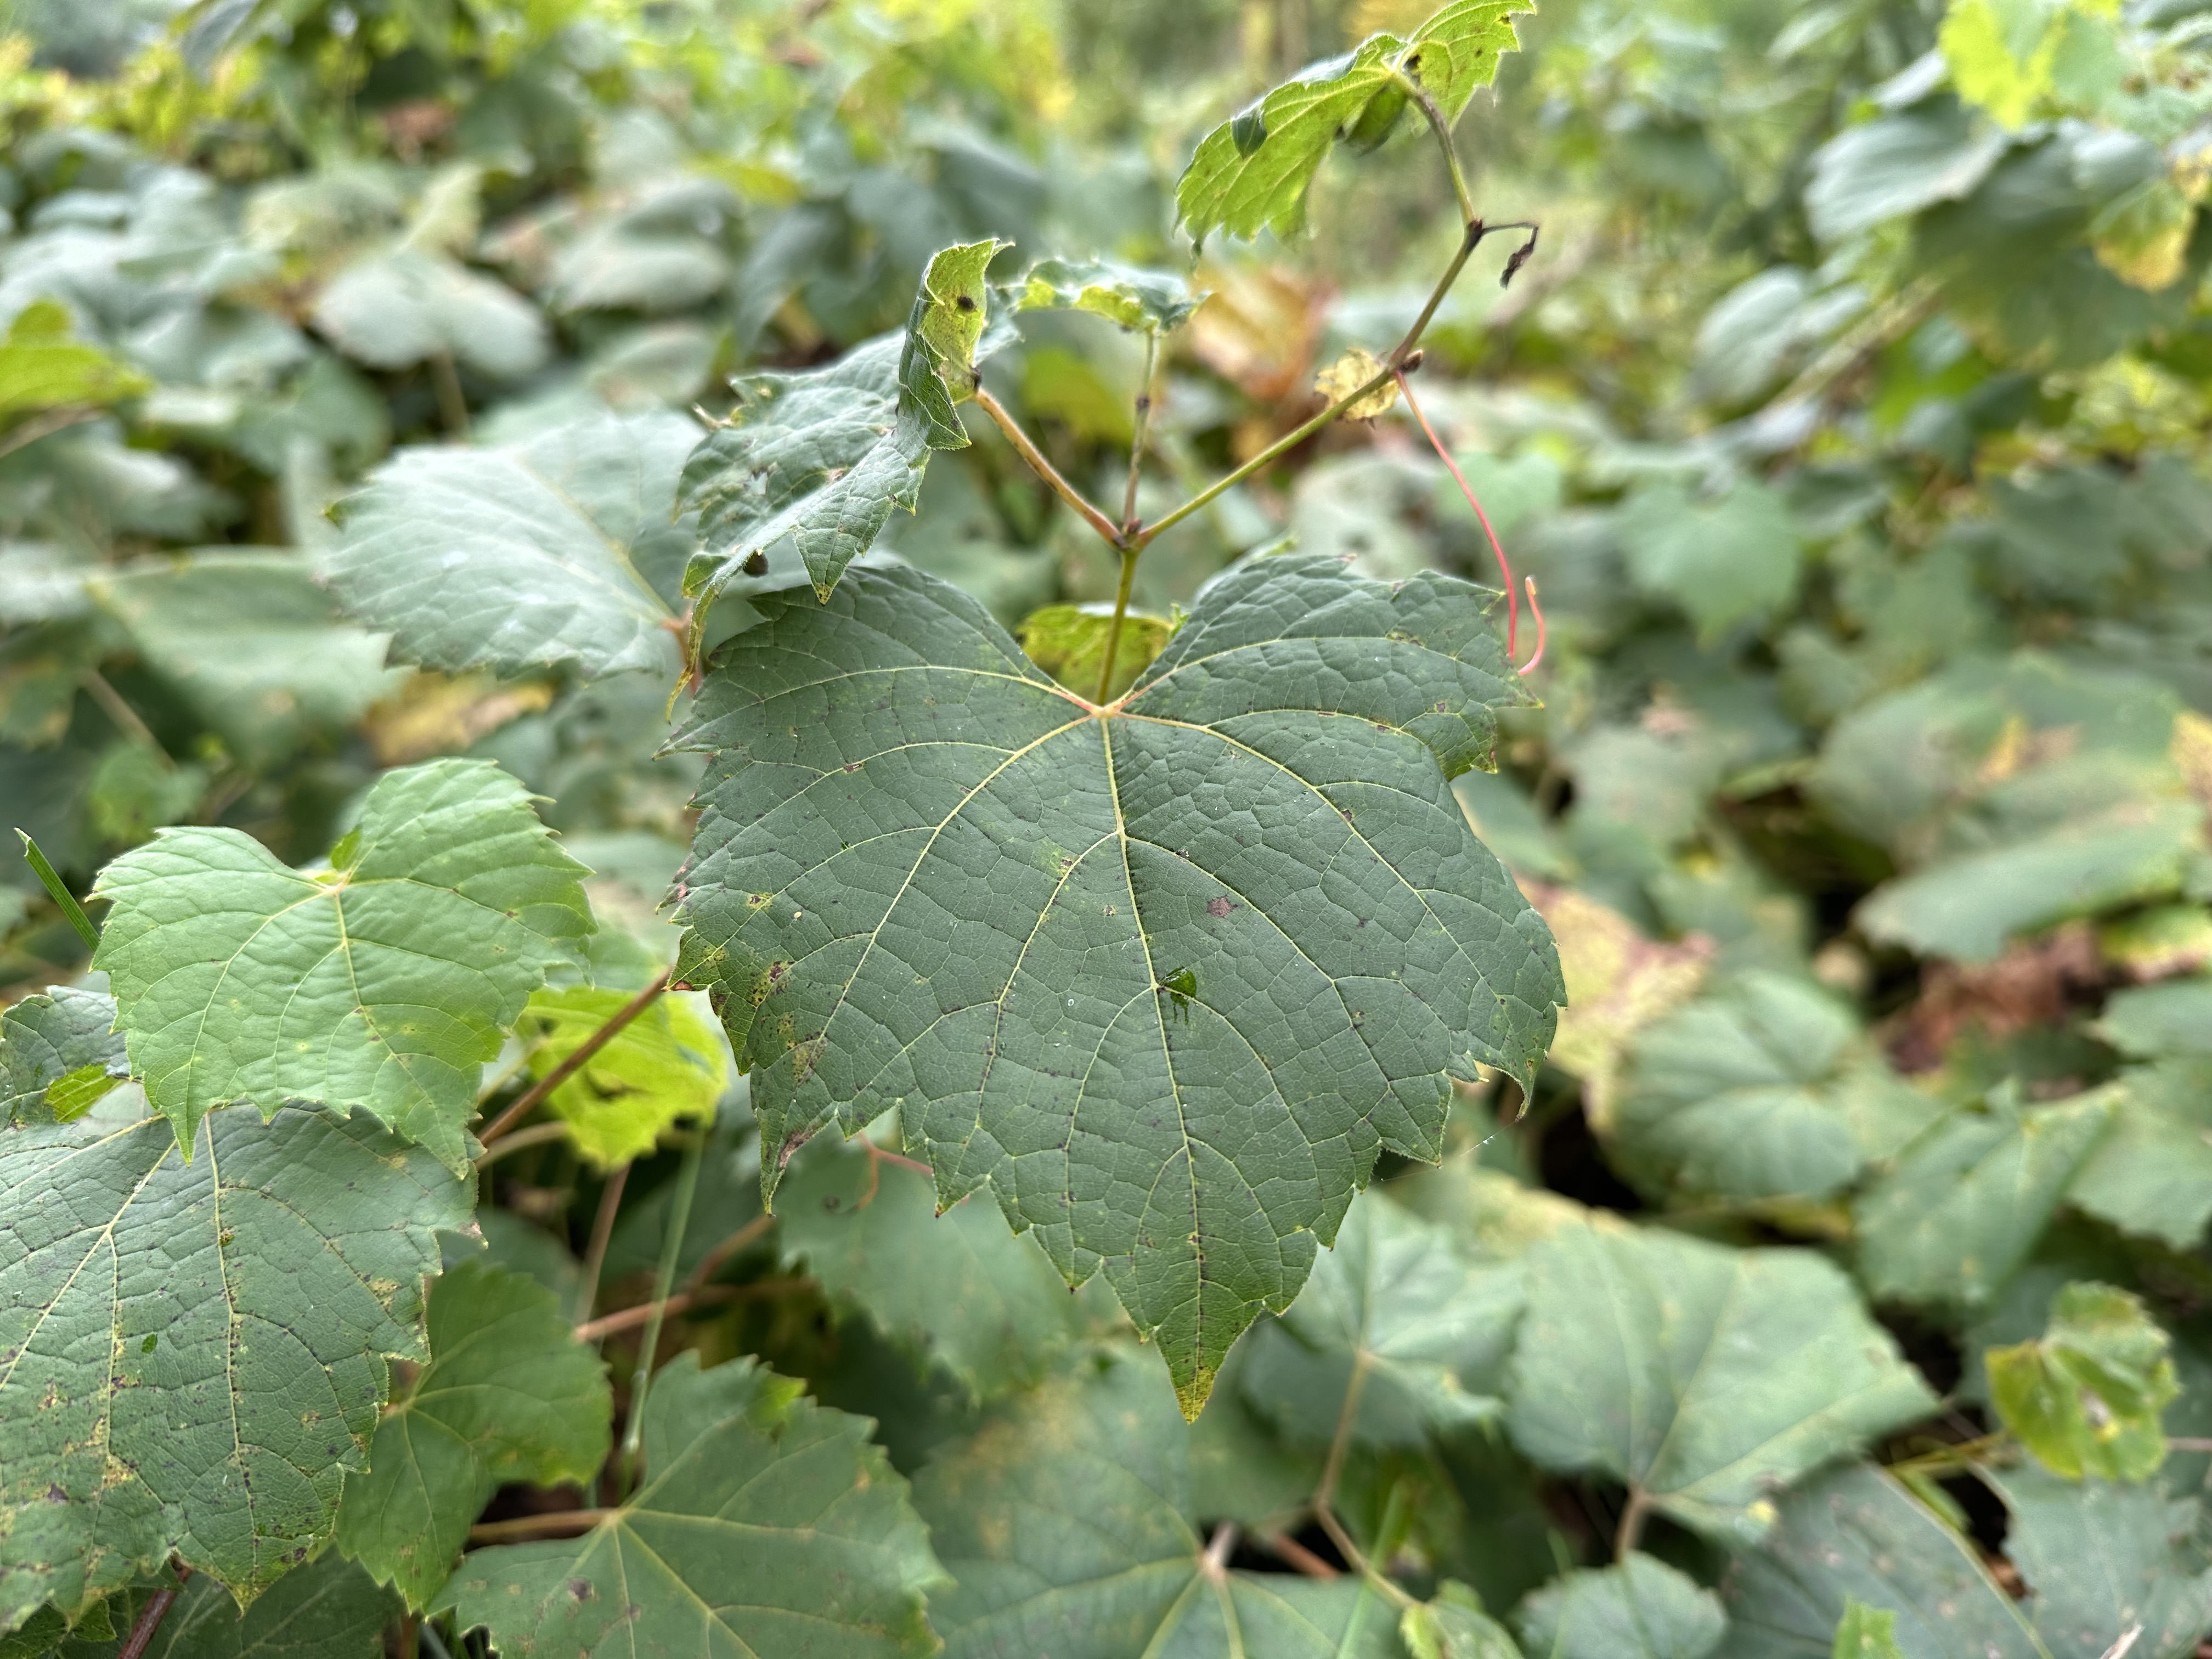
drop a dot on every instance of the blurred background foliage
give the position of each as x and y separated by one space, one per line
1852 416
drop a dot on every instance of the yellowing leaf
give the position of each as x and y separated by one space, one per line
1068 642
1347 374
2005 54
666 1064
2142 238
2087 1395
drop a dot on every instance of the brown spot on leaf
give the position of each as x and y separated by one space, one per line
1218 907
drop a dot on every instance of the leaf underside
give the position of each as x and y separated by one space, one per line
1169 975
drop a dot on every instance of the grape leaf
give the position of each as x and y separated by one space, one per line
394 310
2101 1559
957 1287
509 1394
1966 1202
1068 642
1396 1298
944 332
765 1524
1638 1608
561 551
382 984
1068 1525
59 1052
668 1063
192 1354
1168 976
1704 1377
2086 1397
1454 1627
1725 562
1154 300
252 646
1897 164
1865 1632
1252 172
1855 1535
2172 1021
1765 1089
821 456
2152 1174
327 1609
42 367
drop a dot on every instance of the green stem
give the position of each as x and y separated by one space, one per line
1120 610
672 1249
1136 442
1044 469
57 891
1436 119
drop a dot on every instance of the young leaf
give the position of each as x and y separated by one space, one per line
1966 1202
1640 1608
1153 300
2087 1398
1396 1299
1763 1089
1856 1535
937 364
327 1609
42 367
957 1288
765 1524
381 985
60 1053
821 456
1170 976
2100 1560
1865 1632
666 1064
1704 1377
1068 1525
509 1394
555 552
192 1354
1252 172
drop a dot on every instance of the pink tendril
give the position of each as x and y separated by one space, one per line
1504 570
1529 666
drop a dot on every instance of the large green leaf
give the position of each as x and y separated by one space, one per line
1725 562
1855 1535
1703 1378
1396 1301
1252 172
509 1394
1896 164
1966 1203
821 456
559 551
1067 1525
1168 974
1765 1089
252 647
957 1288
381 983
2152 1174
2101 1559
59 1052
765 1524
192 1354
1638 1608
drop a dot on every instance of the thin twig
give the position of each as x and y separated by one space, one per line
1137 441
2119 1648
44 426
1535 657
1044 469
575 1062
729 1247
1120 615
592 1329
1285 1547
452 402
603 1229
1631 1530
150 1615
1214 1563
1505 570
538 1526
521 1140
127 719
664 1282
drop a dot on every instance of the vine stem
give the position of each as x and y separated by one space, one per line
1324 1497
607 1324
672 1249
575 1062
603 1231
1631 1532
1497 548
150 1615
1044 469
1136 442
538 1526
1120 615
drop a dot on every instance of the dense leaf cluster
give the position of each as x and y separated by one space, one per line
791 887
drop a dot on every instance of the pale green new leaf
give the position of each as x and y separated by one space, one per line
1703 1378
59 1052
1153 300
1865 1632
192 1354
1068 1526
1765 1089
382 984
1253 171
1398 1299
1169 977
560 551
2086 1396
821 456
1856 1536
957 1288
509 1394
1966 1203
1638 1608
1068 642
937 361
666 1064
765 1524
42 367
252 646
2101 1559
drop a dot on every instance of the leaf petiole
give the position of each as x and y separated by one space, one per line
1044 469
663 1280
575 1062
57 891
